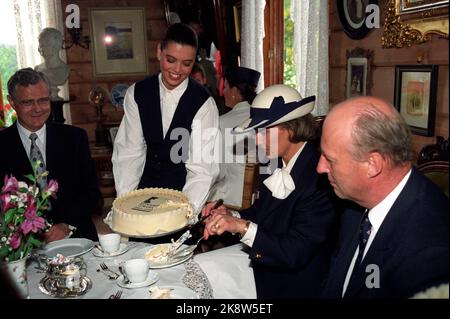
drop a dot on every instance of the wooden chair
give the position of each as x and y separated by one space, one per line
433 162
438 173
251 184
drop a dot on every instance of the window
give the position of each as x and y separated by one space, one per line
8 59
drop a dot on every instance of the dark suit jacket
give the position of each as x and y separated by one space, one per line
410 248
291 248
69 162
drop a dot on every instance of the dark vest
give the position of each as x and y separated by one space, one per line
160 170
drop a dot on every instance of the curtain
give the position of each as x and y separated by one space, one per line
311 50
252 35
31 17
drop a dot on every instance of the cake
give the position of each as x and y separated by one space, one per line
150 211
158 254
160 293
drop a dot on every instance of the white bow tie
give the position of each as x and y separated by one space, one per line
280 183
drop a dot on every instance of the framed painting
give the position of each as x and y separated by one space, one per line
358 78
415 96
409 22
119 41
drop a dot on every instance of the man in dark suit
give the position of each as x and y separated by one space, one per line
65 152
289 229
394 241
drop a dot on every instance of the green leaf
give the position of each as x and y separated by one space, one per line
31 177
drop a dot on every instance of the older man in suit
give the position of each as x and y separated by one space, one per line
394 242
64 151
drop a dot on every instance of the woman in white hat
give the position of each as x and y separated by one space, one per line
289 229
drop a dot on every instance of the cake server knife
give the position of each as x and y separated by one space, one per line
188 234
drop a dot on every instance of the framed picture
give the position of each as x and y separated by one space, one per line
409 22
415 96
352 14
119 41
359 78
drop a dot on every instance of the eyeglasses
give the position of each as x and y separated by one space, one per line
43 101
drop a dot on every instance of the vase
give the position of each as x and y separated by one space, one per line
18 274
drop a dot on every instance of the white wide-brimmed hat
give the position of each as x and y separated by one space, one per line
274 105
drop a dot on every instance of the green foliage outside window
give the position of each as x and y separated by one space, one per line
289 76
8 65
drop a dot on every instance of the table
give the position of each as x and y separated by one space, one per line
222 273
102 287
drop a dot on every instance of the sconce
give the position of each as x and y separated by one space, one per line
77 38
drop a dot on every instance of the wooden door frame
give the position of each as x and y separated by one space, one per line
273 44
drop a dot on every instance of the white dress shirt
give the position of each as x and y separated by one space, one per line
26 142
230 183
130 149
376 217
249 236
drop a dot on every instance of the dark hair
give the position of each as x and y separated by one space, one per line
198 68
301 129
25 77
242 78
180 33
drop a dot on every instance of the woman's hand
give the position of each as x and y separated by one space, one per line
207 209
219 222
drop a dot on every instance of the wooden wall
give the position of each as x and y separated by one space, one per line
385 60
81 77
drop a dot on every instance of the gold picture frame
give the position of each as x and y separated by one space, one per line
119 41
409 22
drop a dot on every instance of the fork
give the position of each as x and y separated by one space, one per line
105 268
117 295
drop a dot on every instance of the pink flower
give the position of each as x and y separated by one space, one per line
6 202
52 188
15 241
10 184
32 222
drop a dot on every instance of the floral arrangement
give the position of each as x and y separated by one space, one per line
22 206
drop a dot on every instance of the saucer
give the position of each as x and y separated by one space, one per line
151 279
99 253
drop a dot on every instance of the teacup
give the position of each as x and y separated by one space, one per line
110 243
136 270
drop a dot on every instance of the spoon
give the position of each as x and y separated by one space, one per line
126 281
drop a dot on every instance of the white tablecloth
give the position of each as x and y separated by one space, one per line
229 272
102 287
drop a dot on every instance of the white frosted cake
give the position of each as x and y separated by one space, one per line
150 211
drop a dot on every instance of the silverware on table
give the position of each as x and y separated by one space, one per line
117 295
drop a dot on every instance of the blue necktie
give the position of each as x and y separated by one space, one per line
365 228
35 155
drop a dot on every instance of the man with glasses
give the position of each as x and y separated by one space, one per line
62 149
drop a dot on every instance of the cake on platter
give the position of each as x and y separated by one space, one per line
151 212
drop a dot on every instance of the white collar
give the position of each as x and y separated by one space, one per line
378 213
26 133
178 91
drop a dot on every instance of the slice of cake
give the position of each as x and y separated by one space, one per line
160 293
150 211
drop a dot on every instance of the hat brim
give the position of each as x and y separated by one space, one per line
304 108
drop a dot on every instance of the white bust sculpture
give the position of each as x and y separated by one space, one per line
57 72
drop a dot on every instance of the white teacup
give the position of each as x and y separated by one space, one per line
110 243
136 270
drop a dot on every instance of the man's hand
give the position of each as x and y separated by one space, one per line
57 232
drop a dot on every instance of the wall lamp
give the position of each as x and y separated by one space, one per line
77 39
